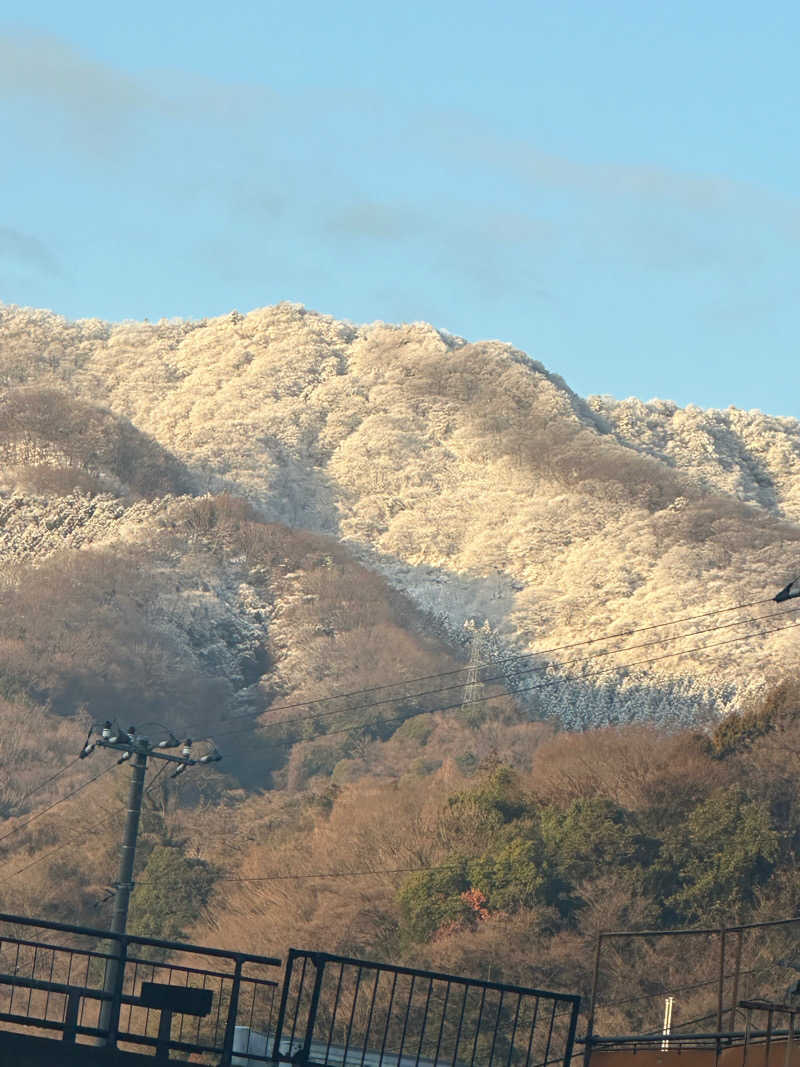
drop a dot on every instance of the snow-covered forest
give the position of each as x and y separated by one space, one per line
469 476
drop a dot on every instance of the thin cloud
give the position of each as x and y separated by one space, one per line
24 252
278 167
376 221
519 160
481 249
654 217
104 106
96 100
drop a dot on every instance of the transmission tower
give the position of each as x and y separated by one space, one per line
473 687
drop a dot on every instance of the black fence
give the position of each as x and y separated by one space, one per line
341 1012
226 1009
141 994
730 967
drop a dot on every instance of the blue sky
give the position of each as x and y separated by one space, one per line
611 186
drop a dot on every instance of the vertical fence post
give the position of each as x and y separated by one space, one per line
748 1035
276 1052
720 994
71 1017
233 1011
768 1042
787 1059
737 970
164 1034
587 1048
116 992
573 1025
319 960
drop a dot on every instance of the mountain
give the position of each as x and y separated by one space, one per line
467 475
292 534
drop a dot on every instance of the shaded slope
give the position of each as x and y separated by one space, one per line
200 615
59 442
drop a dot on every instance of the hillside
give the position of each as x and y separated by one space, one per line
470 477
271 530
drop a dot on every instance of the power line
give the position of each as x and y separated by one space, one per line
83 835
407 870
512 659
47 781
676 989
450 707
540 668
61 847
547 684
55 804
336 874
50 807
156 776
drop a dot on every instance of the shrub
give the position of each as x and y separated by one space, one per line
170 894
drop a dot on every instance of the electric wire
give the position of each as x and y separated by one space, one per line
677 989
60 848
156 776
56 803
768 968
538 668
524 689
43 811
47 781
373 873
456 864
511 659
511 691
541 685
335 874
80 836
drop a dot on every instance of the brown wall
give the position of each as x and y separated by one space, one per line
729 1057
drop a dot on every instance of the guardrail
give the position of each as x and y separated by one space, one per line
166 995
82 985
341 1012
743 960
753 1036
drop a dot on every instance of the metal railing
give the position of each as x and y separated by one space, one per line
786 1036
750 958
195 996
224 1007
341 1012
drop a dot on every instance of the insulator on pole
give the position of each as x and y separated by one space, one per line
788 592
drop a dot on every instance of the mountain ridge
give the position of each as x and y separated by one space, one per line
471 477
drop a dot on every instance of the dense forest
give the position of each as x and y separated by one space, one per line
490 848
467 474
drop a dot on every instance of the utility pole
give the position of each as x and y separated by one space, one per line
136 747
125 880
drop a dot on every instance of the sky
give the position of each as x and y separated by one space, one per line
610 186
